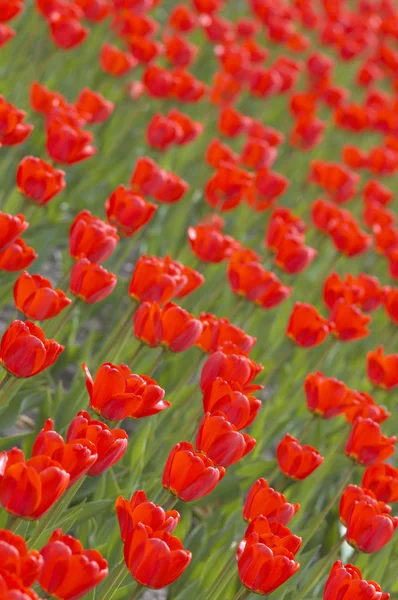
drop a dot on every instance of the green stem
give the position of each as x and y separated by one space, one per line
322 567
170 502
157 362
224 578
66 314
137 592
242 594
13 523
118 576
5 381
113 337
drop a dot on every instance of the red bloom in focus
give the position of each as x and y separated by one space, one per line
16 559
90 282
326 396
190 475
227 187
66 32
295 460
90 237
110 444
17 256
93 107
140 510
24 350
236 368
264 500
307 132
209 244
382 480
366 443
292 255
348 321
35 297
29 488
128 211
117 393
382 369
11 227
219 332
273 534
70 572
68 144
6 34
347 580
13 130
227 398
262 569
354 494
221 441
306 326
38 180
116 62
370 527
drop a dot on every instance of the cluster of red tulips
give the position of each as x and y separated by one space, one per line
162 50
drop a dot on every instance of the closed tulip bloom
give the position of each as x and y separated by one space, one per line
227 398
209 244
190 475
345 582
162 133
76 457
116 62
221 441
128 211
140 510
17 256
11 227
227 187
94 10
182 18
370 527
293 256
361 404
90 282
307 132
258 154
348 321
326 397
283 222
295 460
264 500
157 279
35 297
117 394
90 237
374 190
16 559
274 535
24 350
180 330
43 100
13 130
28 488
148 178
366 443
323 214
382 480
158 81
218 332
172 189
306 326
155 558
93 107
218 152
350 498
70 572
38 180
194 279
232 367
110 444
391 303
189 130
68 144
10 9
147 323
262 569
267 188
349 239
382 369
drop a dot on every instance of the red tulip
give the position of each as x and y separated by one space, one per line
179 51
68 144
218 332
93 107
70 572
326 396
24 350
182 18
366 443
283 223
220 440
346 580
17 256
94 10
13 130
382 480
391 303
264 500
9 9
110 444
227 398
35 297
147 177
144 49
16 559
11 227
232 123
258 154
90 282
28 488
307 132
293 256
66 32
295 460
90 237
365 291
369 527
38 180
361 404
353 495
348 321
382 369
190 475
235 368
338 181
158 82
116 62
140 510
376 191
128 211
273 534
266 190
43 100
117 394
226 189
209 244
189 130
162 133
306 326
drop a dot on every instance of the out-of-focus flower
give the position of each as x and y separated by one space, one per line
35 297
116 62
92 238
296 460
128 210
382 480
38 180
68 144
366 443
17 256
326 396
306 326
11 227
91 282
382 369
93 107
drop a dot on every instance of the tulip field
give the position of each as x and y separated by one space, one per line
199 299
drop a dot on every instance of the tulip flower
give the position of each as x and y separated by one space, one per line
10 9
218 152
361 404
24 350
348 321
374 190
346 580
17 256
140 510
266 190
35 297
66 32
155 558
17 560
326 396
227 398
295 460
189 130
162 133
258 154
350 498
90 237
190 475
218 332
90 282
218 439
209 244
68 144
29 488
43 100
382 369
264 500
38 180
283 222
226 189
70 572
13 130
306 326
93 107
366 443
11 227
110 444
391 303
116 62
117 394
182 18
348 238
307 132
232 367
369 528
293 256
128 211
274 534
382 480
